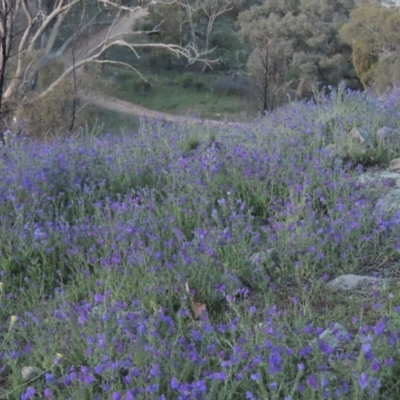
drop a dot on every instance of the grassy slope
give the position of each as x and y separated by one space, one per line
102 237
169 93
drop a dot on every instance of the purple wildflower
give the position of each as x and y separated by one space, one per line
363 381
313 381
29 394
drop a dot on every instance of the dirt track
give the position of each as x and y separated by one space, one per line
126 107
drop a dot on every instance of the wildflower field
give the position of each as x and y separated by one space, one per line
127 268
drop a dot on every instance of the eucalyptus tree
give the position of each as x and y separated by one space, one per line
68 35
308 30
374 35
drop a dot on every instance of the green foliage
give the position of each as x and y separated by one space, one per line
190 80
53 114
314 50
209 95
172 18
386 74
364 63
57 113
191 144
374 36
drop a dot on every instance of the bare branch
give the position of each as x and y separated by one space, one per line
176 50
119 6
46 22
125 65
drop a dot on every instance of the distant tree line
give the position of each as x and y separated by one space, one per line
301 45
295 46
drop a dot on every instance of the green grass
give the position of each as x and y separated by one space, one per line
171 92
105 121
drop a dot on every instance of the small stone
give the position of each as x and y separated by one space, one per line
29 373
395 165
389 137
389 204
383 134
356 136
265 256
360 137
351 282
334 337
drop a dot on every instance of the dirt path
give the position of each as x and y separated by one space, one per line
79 50
126 107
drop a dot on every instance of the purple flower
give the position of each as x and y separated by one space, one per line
375 365
306 351
250 396
389 361
367 350
155 370
301 388
256 377
29 394
380 327
116 396
200 385
50 379
374 384
99 298
197 335
275 362
152 388
219 376
174 384
86 377
273 386
313 381
363 382
326 348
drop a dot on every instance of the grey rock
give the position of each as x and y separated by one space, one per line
264 257
384 134
356 137
334 336
391 179
29 373
345 283
384 187
360 137
388 137
389 203
395 165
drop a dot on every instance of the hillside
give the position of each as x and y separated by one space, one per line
178 261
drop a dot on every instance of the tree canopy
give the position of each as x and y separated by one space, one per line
310 28
373 32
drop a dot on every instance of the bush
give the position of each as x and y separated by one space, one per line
53 114
233 85
191 80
